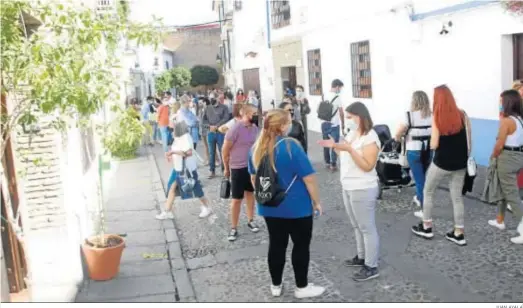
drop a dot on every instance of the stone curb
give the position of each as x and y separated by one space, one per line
179 271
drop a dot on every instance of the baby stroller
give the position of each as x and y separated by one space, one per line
390 173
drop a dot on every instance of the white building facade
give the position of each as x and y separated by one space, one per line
385 53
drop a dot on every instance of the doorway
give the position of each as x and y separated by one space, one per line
517 41
288 77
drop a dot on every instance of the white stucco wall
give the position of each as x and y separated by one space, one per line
475 59
250 35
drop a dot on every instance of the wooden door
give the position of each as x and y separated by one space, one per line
13 251
292 77
251 80
518 56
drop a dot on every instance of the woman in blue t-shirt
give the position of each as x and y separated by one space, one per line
293 216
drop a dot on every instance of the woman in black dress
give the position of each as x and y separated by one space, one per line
296 130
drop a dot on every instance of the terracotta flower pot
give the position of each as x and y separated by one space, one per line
103 263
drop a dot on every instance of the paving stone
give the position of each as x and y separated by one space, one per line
171 235
168 224
140 253
134 225
145 217
144 268
175 256
157 298
139 203
130 287
183 283
196 263
152 237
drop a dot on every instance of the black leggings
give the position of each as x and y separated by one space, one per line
300 231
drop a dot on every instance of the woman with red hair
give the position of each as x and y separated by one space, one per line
449 141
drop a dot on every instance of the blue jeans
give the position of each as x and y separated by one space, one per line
327 131
156 132
214 139
164 131
419 171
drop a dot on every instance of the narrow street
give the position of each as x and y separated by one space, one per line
489 269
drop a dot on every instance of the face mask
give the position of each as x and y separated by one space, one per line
338 91
500 108
292 113
351 124
299 95
254 119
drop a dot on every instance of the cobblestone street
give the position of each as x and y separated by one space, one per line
489 269
191 260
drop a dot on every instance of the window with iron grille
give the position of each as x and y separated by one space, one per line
237 5
361 73
280 13
314 64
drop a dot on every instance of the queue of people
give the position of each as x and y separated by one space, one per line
268 167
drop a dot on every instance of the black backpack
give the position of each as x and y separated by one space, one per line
325 111
267 190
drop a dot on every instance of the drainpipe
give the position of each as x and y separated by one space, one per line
268 15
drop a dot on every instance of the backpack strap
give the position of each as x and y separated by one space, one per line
295 177
336 111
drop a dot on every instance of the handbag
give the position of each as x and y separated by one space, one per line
402 158
471 162
225 189
187 182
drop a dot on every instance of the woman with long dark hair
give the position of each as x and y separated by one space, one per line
358 154
508 160
449 140
296 130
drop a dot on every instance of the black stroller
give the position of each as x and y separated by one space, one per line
390 173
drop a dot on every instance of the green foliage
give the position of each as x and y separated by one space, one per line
66 68
163 82
181 77
177 77
203 75
126 133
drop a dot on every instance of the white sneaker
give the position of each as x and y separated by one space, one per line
520 227
165 215
418 214
309 291
206 211
517 240
276 290
416 201
495 223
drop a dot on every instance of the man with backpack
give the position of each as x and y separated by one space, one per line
330 112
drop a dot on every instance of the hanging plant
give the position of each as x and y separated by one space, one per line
514 7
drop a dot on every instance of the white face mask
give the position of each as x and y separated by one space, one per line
351 124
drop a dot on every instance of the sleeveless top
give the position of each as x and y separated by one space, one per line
451 154
516 139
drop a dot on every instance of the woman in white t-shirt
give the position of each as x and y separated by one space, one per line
416 128
181 155
358 154
236 116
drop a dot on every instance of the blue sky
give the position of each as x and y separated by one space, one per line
174 12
